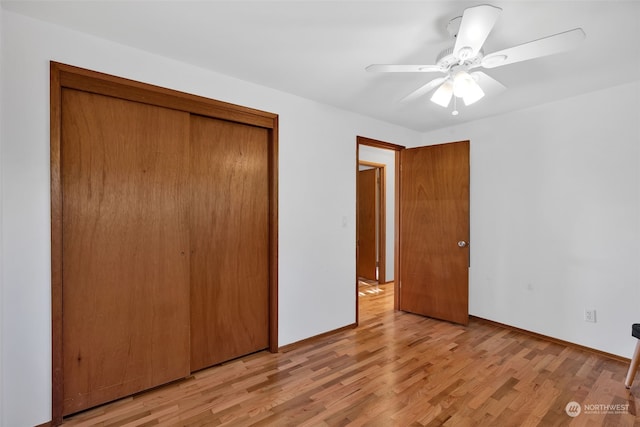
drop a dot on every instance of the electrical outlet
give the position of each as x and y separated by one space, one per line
590 315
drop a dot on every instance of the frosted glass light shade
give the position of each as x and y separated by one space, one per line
461 83
443 95
473 93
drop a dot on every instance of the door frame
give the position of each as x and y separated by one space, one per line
361 140
381 203
67 76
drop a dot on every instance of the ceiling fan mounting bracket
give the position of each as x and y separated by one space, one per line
454 26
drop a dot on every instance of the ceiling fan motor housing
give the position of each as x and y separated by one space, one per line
446 59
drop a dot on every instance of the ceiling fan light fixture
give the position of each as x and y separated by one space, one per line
473 93
462 81
470 32
466 87
442 96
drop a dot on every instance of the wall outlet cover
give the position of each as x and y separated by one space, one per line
590 315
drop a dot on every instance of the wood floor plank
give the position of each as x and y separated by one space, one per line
395 369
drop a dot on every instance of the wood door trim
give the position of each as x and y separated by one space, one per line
67 76
551 339
309 341
372 164
118 87
273 236
362 140
57 392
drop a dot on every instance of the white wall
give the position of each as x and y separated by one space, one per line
1 227
388 158
555 217
316 253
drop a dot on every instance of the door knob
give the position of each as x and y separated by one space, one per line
462 244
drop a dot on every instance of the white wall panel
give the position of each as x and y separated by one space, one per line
555 217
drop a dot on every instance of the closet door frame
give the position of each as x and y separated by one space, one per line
67 76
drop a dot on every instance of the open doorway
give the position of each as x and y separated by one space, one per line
371 232
375 249
432 176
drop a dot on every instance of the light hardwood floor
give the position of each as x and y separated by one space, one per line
395 369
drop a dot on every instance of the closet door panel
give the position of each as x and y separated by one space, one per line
125 247
229 241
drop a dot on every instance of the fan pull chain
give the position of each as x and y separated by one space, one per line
455 108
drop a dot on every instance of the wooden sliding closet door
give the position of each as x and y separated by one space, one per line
125 257
229 240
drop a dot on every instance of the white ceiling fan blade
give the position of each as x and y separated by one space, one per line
391 68
429 86
542 47
477 22
488 84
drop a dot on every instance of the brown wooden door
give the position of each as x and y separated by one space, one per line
229 240
434 218
125 256
367 258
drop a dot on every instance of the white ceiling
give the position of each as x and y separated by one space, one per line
319 49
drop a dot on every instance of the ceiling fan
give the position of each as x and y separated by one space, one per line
471 30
